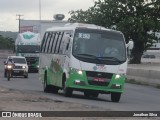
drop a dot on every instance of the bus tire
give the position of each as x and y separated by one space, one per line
66 90
95 94
46 87
115 96
55 89
87 94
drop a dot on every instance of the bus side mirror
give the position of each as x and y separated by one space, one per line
130 45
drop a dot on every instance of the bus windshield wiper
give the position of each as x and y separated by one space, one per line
92 56
89 55
111 58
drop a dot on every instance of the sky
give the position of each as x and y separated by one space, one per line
30 10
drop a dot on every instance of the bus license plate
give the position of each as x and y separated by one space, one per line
99 79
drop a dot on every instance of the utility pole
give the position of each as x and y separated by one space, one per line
19 18
39 9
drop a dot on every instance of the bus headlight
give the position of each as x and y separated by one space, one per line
117 76
78 71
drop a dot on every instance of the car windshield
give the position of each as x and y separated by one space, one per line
19 60
28 48
99 46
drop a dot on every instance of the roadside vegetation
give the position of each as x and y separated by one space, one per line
6 43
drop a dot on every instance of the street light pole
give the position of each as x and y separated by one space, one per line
39 9
19 18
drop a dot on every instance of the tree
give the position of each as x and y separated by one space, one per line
6 43
137 19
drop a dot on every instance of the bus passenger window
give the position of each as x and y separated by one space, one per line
44 42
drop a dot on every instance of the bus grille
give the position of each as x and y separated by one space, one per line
99 78
31 60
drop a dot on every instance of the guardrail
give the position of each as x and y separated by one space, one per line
148 72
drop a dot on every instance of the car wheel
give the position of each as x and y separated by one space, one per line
26 76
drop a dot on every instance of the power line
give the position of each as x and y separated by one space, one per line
19 18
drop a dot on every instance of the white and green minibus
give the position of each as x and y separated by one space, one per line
83 57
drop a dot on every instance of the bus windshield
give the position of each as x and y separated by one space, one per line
28 48
99 46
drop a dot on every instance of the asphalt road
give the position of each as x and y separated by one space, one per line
135 97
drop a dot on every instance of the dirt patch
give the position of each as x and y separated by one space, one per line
14 100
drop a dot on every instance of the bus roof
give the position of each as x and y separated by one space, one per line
73 26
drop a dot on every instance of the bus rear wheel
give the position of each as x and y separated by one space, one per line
115 97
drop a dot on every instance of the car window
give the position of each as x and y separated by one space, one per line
19 60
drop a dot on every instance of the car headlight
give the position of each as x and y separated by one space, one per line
23 67
77 70
37 66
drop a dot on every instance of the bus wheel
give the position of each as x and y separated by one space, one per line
45 86
115 97
95 94
66 90
55 89
87 94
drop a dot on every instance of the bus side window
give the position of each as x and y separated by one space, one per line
65 41
44 42
55 41
62 45
67 50
58 42
49 42
58 33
